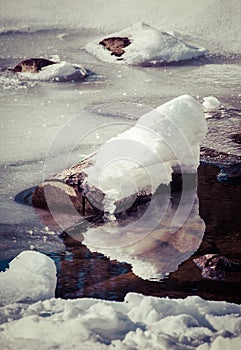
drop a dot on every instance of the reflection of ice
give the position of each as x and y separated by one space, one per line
152 250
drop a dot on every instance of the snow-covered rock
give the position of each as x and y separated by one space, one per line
139 322
58 71
148 45
144 156
31 276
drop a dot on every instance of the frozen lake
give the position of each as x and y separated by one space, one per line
47 126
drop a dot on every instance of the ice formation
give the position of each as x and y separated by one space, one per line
31 277
144 156
60 71
148 45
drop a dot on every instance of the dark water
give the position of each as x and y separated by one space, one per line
82 273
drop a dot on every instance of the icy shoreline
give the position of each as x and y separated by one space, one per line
140 322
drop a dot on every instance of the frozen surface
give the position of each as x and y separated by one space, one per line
142 157
137 323
31 277
210 103
148 45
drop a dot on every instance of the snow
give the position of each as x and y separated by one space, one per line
148 45
143 157
60 71
139 322
31 276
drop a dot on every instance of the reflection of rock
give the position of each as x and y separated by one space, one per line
214 266
115 45
156 251
32 65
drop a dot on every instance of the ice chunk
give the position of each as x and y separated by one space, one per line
210 103
145 45
31 276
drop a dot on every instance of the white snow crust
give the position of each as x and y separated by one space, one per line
143 157
210 103
31 276
148 45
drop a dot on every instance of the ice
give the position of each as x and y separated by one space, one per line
31 276
148 45
143 157
140 322
61 71
211 103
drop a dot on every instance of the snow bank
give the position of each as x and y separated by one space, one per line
148 45
143 157
137 323
31 276
61 71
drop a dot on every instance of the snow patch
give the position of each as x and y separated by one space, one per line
31 276
148 46
139 322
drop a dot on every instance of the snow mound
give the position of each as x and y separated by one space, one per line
148 46
31 276
60 71
139 322
144 156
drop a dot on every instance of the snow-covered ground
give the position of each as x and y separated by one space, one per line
140 322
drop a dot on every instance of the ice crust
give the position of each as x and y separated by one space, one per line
31 276
143 157
148 45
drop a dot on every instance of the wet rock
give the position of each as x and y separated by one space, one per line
214 266
32 65
116 45
230 174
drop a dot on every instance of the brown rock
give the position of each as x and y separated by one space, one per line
32 65
116 45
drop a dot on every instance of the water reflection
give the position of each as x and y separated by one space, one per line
153 254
